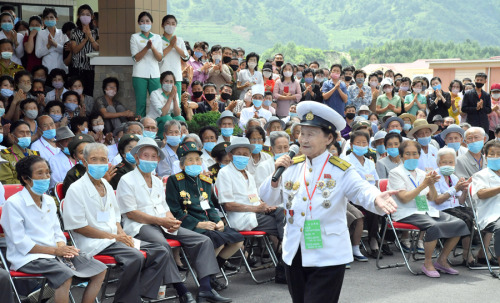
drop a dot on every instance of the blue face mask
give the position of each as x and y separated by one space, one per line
6 92
130 159
56 118
198 54
182 137
364 116
97 171
454 145
381 149
293 115
411 164
147 166
424 141
49 134
173 140
71 106
447 170
208 146
240 162
227 132
276 156
257 149
139 136
2 112
7 26
308 80
268 102
149 134
1 137
397 131
359 150
475 147
85 131
80 162
50 23
436 87
24 142
193 170
407 127
40 186
494 164
222 165
257 103
393 151
66 151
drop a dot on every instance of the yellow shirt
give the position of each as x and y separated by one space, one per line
455 114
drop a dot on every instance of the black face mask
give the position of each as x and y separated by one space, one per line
234 67
379 79
348 78
479 85
350 116
224 96
279 63
226 60
182 92
209 97
196 95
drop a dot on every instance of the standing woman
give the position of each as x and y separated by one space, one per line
83 41
50 42
286 91
315 190
35 26
7 32
146 49
249 76
439 101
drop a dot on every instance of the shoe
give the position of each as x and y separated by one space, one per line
279 274
252 261
217 285
430 273
386 250
348 266
360 258
493 262
230 266
420 247
187 298
211 296
182 267
405 245
473 264
374 253
447 270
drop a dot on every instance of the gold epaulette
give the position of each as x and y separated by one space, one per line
206 179
6 151
342 164
180 176
299 159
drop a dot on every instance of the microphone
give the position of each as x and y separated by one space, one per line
294 149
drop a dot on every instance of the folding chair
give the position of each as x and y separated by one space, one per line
250 235
11 189
58 190
472 205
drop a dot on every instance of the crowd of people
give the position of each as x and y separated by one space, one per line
132 179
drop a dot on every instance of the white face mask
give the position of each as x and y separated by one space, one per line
455 90
252 65
110 93
145 27
288 73
417 90
98 128
266 74
169 29
388 90
495 96
167 87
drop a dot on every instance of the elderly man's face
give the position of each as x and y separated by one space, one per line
280 146
97 156
147 153
241 151
275 126
150 125
134 129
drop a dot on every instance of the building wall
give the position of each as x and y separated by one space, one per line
47 3
446 75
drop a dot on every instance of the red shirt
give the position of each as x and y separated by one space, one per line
32 59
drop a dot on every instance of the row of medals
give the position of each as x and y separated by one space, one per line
323 186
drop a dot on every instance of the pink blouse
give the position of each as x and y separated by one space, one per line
284 105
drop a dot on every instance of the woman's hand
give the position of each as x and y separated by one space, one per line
110 173
219 226
208 225
431 178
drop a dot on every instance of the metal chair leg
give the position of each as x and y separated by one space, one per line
190 268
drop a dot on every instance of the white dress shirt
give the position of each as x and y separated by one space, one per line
166 166
51 96
148 66
19 50
262 169
220 139
401 178
83 206
427 161
116 160
26 225
207 159
442 187
233 187
245 76
488 210
2 194
248 113
133 193
60 164
158 101
172 61
366 171
112 151
44 148
52 57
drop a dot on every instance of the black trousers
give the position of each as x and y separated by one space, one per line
314 284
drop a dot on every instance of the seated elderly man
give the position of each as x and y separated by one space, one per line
273 125
472 161
226 123
61 162
422 132
147 217
256 110
150 127
35 241
134 128
240 197
453 136
172 135
92 215
46 145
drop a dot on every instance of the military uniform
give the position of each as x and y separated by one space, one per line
75 173
121 169
11 69
370 154
12 155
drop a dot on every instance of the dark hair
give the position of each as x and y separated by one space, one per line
372 114
407 143
481 75
27 101
417 81
336 65
57 72
357 72
268 93
224 48
489 145
165 74
459 83
109 80
252 55
196 83
392 135
359 133
5 41
209 84
373 75
35 17
466 79
253 129
21 23
49 10
24 167
219 154
282 76
215 48
168 17
185 81
76 121
8 78
406 79
497 128
71 81
348 69
18 123
349 106
207 128
226 85
337 147
39 67
436 78
54 103
70 93
144 14
388 71
20 74
314 62
79 11
279 54
307 71
68 27
7 7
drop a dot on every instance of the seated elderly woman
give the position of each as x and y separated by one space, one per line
257 137
208 136
35 241
415 188
222 158
386 164
172 135
125 145
197 141
485 190
452 192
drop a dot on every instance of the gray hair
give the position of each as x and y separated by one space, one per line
144 119
254 120
170 123
446 151
129 124
475 129
196 138
273 136
293 127
90 147
465 124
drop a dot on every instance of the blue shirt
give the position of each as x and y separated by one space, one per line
335 101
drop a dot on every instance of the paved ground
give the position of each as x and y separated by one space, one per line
365 283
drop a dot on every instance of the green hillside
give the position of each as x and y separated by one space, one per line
341 25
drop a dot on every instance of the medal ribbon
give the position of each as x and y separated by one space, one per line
315 185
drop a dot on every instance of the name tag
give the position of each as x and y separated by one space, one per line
143 41
422 204
254 198
312 234
369 178
204 204
102 216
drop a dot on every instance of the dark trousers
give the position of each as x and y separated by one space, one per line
6 293
314 284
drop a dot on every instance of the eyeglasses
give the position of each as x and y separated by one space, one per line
253 141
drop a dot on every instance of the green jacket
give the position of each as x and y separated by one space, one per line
121 169
75 173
